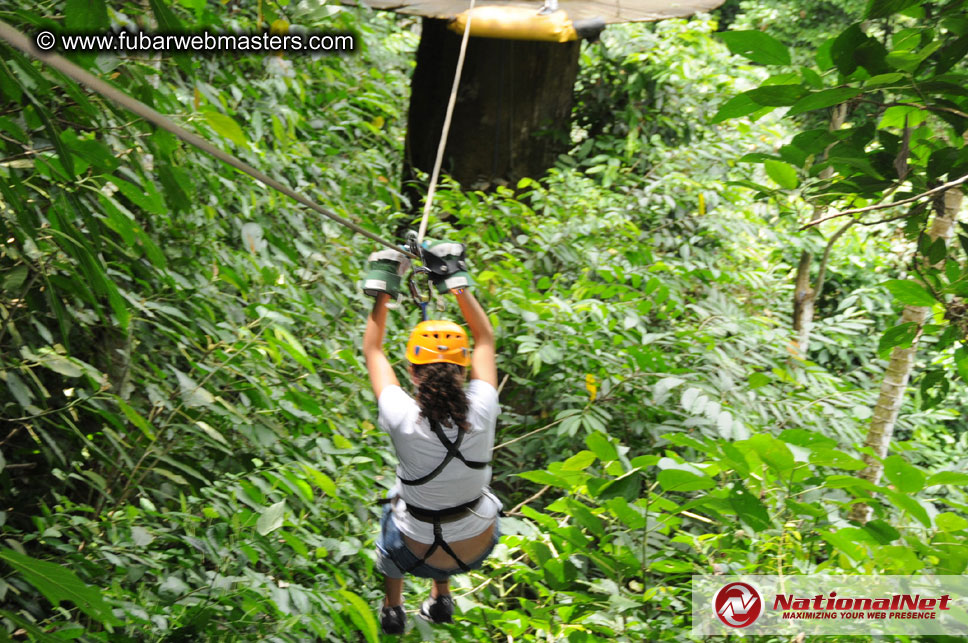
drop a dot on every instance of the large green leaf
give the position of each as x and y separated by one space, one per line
776 95
904 476
758 46
910 293
145 196
599 443
849 482
271 518
579 462
37 635
784 174
739 105
226 126
900 336
947 477
294 347
773 452
910 505
806 438
361 614
898 558
749 508
952 54
321 480
163 14
628 486
882 531
961 362
541 476
884 8
834 458
822 99
853 541
57 583
949 521
678 480
844 48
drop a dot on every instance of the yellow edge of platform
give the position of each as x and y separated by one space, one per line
516 23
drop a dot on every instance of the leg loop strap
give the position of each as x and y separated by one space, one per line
439 542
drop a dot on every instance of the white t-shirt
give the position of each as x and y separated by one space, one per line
420 452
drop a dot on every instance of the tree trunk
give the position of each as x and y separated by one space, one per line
899 368
804 295
512 114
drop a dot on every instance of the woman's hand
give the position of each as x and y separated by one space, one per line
447 262
384 270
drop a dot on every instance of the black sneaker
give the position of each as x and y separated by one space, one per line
438 610
393 620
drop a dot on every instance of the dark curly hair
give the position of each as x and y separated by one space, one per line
440 393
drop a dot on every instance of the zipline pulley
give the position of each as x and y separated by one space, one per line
422 301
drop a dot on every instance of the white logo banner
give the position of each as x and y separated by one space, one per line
822 605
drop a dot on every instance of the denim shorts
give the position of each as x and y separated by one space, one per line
393 555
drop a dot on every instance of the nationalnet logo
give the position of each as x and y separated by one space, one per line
738 604
896 606
827 605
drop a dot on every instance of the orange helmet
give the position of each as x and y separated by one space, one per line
437 340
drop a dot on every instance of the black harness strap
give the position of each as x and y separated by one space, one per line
436 517
450 514
453 451
439 541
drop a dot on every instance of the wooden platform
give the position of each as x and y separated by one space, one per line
610 11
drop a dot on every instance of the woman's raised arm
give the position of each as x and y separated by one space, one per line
483 356
377 364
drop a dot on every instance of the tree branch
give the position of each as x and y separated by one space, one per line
514 511
926 108
883 206
889 219
521 437
822 272
26 153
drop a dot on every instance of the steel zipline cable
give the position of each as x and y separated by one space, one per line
20 41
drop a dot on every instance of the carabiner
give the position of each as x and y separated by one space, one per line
420 300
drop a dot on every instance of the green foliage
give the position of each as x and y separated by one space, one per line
801 26
190 450
899 81
57 583
909 292
757 46
178 401
642 89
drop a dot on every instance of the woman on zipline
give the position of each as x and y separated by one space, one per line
439 519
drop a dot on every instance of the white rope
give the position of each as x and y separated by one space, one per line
432 190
